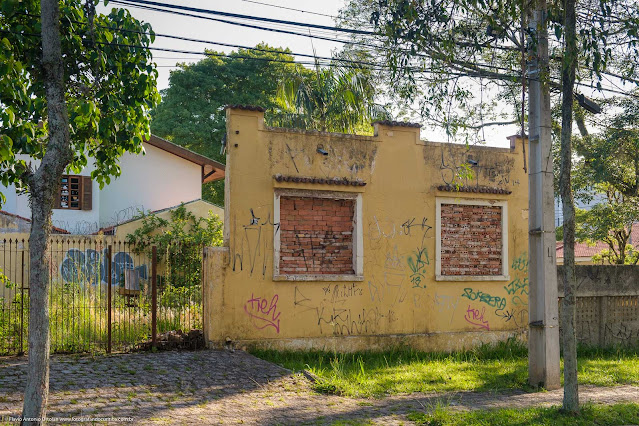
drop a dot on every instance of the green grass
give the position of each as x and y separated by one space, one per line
487 368
78 319
617 414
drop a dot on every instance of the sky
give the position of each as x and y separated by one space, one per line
164 23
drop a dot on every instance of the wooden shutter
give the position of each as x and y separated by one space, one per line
87 193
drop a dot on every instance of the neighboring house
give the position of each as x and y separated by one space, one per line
12 224
335 241
584 252
165 176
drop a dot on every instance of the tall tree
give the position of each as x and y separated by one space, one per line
75 86
334 98
568 314
192 114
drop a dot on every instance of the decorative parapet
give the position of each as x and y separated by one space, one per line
321 181
246 107
397 123
477 189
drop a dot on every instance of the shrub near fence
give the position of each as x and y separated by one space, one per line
100 294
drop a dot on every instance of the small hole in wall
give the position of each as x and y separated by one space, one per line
236 145
237 132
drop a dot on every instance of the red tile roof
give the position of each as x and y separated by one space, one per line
584 250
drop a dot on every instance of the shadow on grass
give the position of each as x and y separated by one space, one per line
502 366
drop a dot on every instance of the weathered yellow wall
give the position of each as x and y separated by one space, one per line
402 175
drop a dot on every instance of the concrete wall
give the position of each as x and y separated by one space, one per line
397 299
607 304
12 224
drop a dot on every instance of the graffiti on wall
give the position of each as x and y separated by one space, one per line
332 314
263 312
402 271
250 248
90 266
461 168
517 291
492 301
475 317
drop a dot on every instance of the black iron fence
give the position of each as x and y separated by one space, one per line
104 295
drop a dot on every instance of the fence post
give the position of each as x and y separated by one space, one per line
154 296
22 305
603 319
109 273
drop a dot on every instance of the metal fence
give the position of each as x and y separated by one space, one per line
104 295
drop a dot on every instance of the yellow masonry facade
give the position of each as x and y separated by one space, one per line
346 242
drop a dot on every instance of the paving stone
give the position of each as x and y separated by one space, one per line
222 387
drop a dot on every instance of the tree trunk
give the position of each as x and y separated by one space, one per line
43 187
569 338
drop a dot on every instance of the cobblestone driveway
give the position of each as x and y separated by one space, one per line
214 387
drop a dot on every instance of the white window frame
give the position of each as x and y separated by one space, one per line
358 241
504 239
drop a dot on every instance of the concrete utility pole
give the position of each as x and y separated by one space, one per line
543 307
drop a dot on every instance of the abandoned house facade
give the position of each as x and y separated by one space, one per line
335 241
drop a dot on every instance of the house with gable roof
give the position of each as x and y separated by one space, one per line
166 176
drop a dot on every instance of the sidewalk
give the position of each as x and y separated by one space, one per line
213 387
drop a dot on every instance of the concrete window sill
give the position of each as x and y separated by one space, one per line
318 277
472 278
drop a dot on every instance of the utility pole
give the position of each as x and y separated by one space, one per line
543 306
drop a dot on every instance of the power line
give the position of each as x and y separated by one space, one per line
324 61
241 24
289 8
248 17
478 69
126 3
237 46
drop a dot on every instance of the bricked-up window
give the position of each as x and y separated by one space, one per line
471 239
317 236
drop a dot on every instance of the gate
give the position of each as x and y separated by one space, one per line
104 295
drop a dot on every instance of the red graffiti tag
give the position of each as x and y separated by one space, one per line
475 317
263 314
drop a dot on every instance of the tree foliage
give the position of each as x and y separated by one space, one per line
192 113
337 99
608 164
458 63
110 88
179 242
